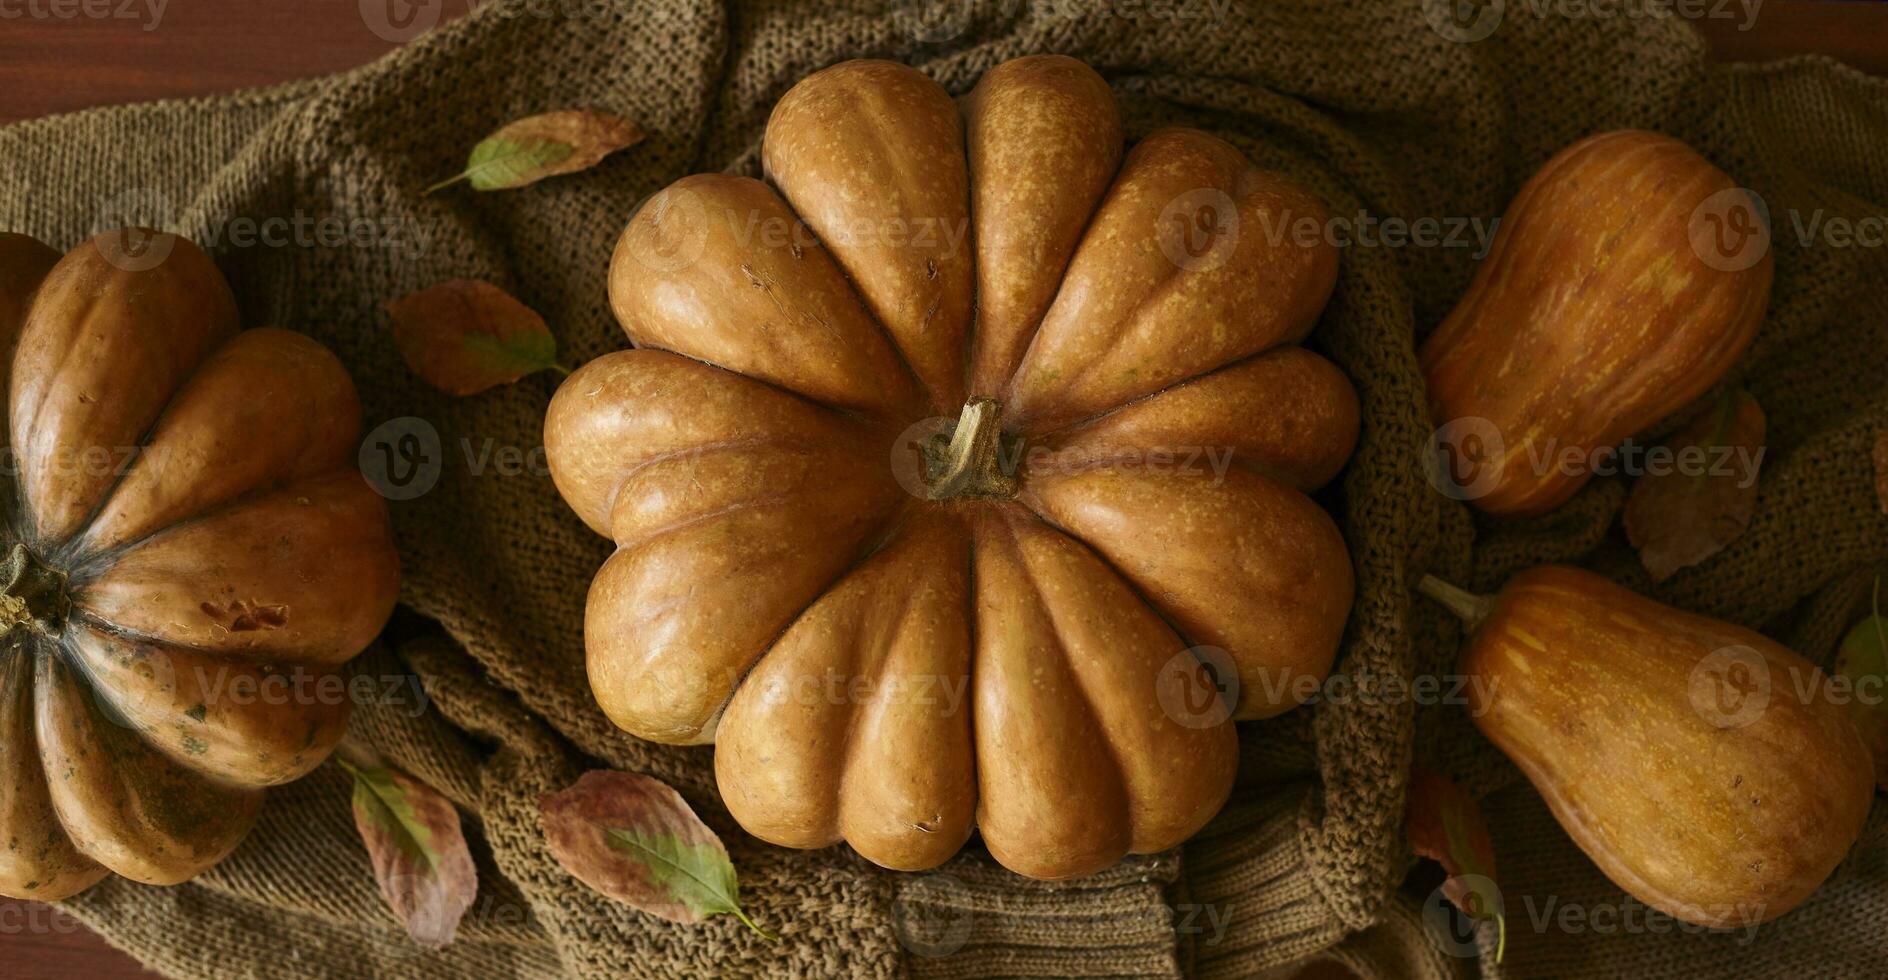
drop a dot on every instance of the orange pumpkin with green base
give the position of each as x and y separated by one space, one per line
189 560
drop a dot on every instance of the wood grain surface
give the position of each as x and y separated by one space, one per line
62 55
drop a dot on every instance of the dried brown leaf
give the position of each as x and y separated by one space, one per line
467 335
634 839
1682 514
418 850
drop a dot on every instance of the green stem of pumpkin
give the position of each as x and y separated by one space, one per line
1470 608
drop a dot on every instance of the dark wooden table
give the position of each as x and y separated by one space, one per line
61 55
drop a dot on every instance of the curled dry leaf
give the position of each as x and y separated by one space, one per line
418 850
537 147
1862 661
634 839
468 335
1444 824
1682 513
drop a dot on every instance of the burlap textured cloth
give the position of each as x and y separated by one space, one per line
1389 109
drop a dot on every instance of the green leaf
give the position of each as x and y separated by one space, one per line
541 146
387 805
500 163
634 839
518 353
699 875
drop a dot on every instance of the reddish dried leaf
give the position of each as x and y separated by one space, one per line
537 147
466 335
634 839
418 850
1682 514
1444 824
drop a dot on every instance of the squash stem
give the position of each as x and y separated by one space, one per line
34 596
971 464
1470 608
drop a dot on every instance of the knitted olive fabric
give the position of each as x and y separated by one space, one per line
1388 109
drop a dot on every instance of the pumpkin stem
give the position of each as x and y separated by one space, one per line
971 463
1472 609
34 595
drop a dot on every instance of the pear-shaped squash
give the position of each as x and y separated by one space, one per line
187 557
1628 276
1705 768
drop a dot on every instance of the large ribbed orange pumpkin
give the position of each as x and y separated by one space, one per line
945 452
